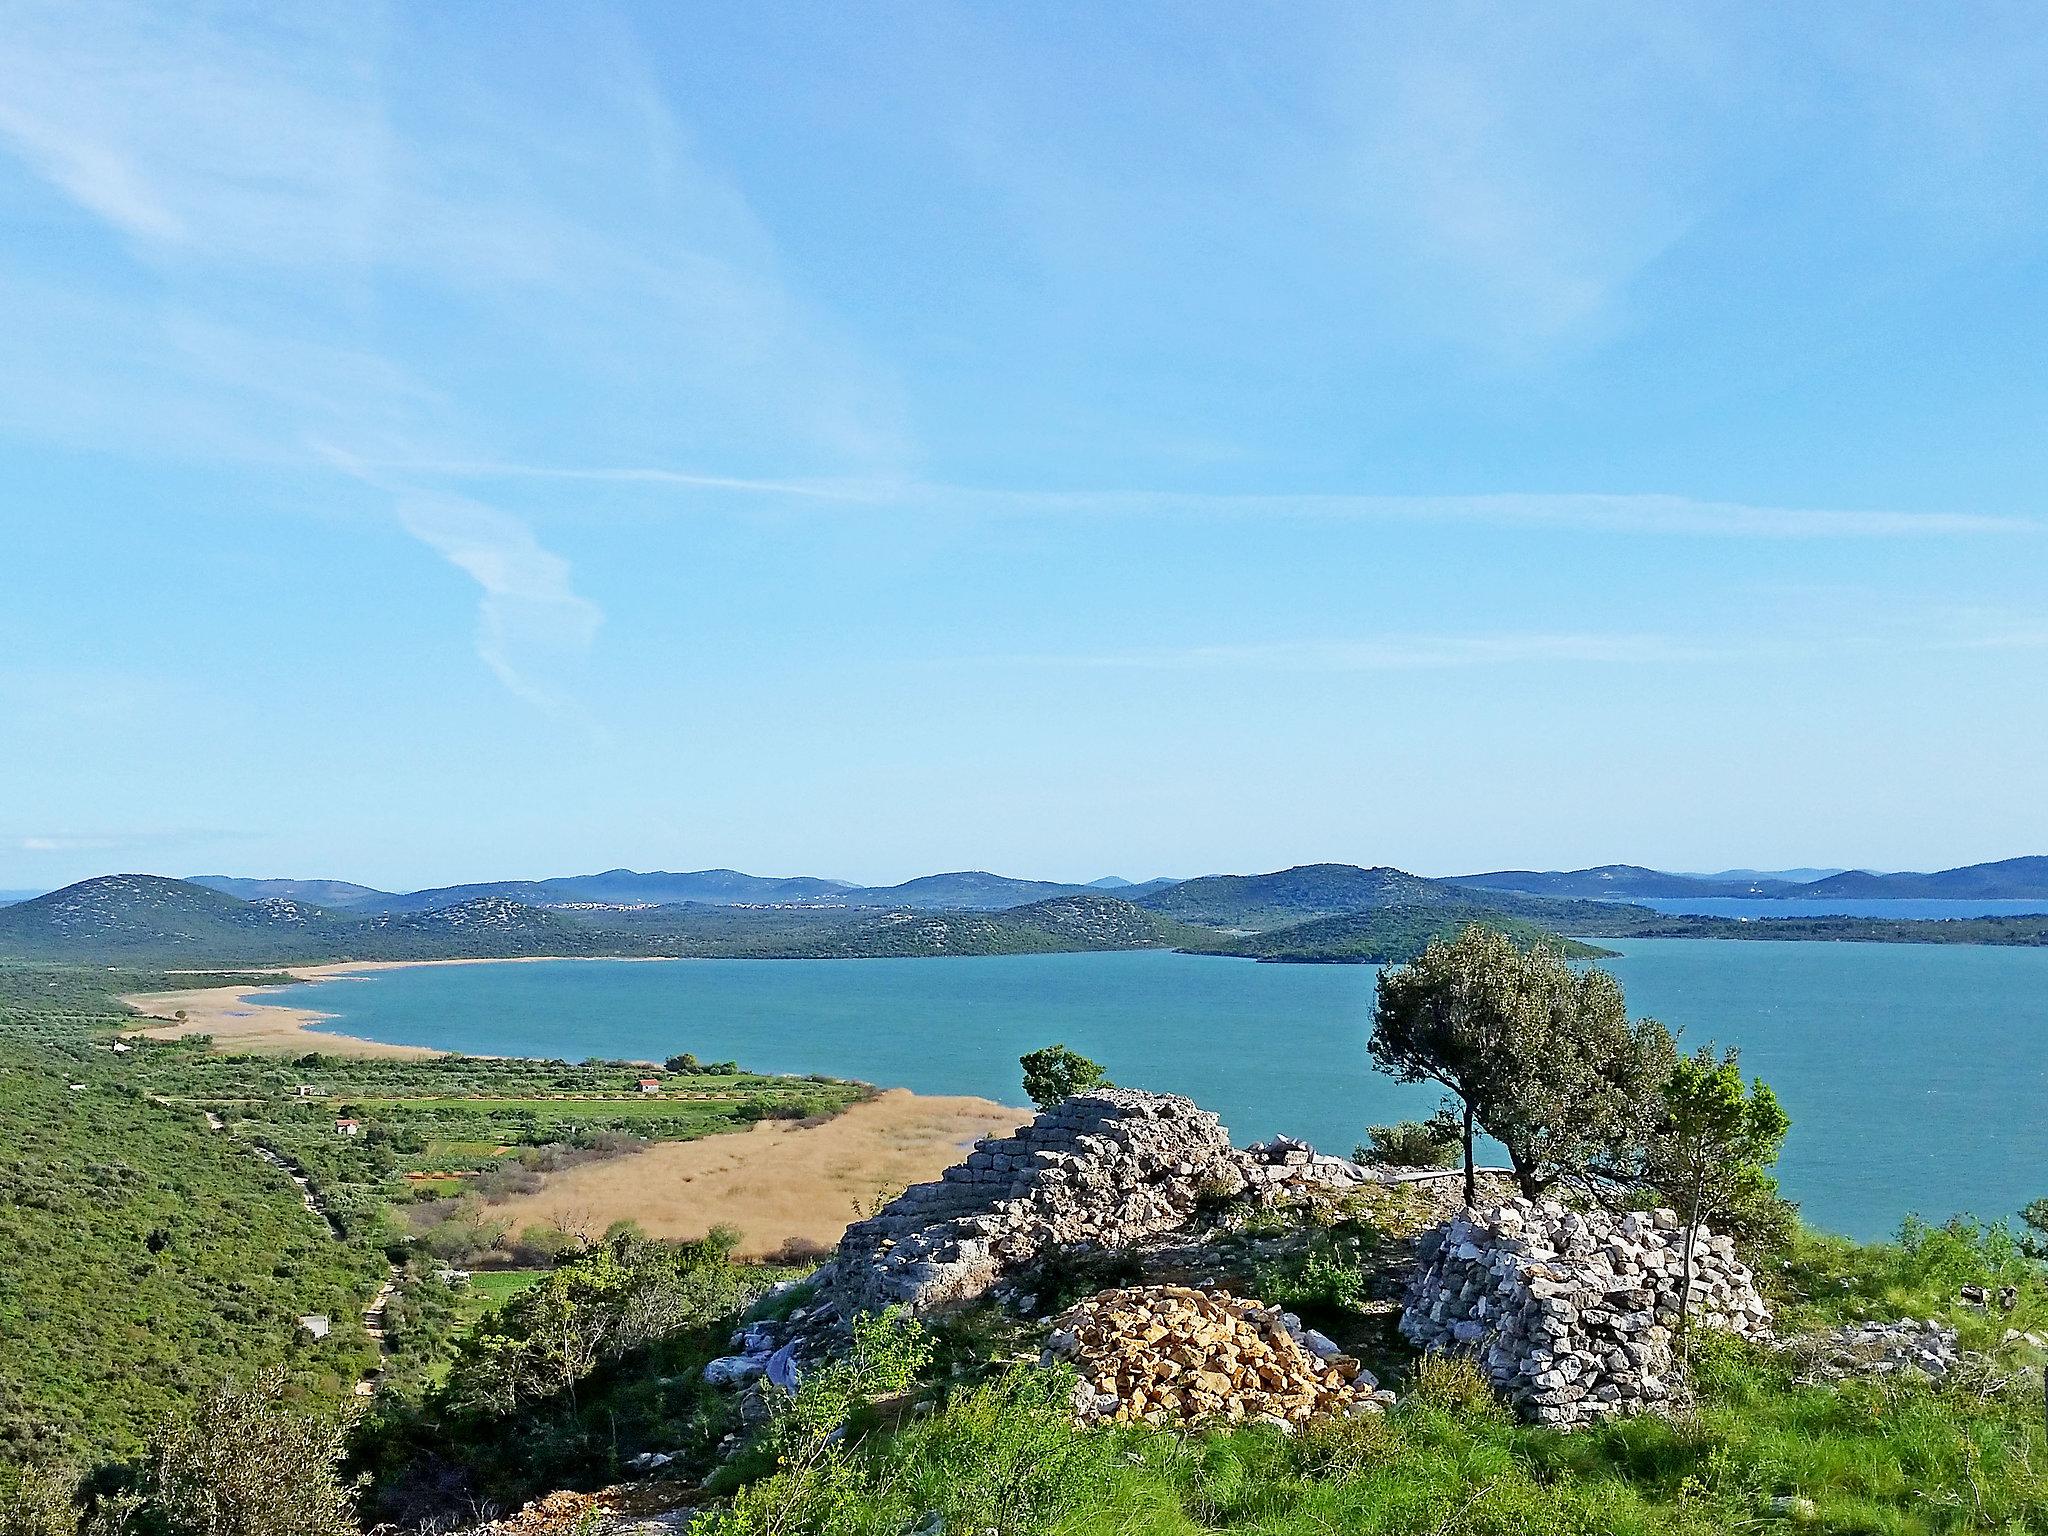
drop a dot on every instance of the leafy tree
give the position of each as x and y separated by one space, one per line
683 1063
1540 1056
1055 1074
1712 1154
242 1463
607 1302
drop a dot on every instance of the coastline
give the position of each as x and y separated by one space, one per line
239 1021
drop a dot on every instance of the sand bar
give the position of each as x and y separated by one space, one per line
240 1019
775 1182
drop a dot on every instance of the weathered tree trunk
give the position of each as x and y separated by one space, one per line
1471 1168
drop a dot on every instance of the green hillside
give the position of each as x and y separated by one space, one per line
1290 896
147 918
164 1259
1389 936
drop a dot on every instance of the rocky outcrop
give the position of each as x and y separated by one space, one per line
1170 1355
1570 1314
1104 1169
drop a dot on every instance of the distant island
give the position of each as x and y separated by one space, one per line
1314 913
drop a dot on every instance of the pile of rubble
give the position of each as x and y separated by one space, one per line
1168 1354
1908 1346
1570 1314
1104 1169
1285 1163
639 1509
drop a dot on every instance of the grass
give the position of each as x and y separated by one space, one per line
495 1287
1902 1461
1758 1450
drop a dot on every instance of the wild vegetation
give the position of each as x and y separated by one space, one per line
157 1242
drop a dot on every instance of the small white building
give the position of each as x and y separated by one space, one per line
650 1085
348 1127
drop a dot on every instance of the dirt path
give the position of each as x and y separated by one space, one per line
373 1314
776 1182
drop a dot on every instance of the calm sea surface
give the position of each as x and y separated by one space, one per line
1916 1075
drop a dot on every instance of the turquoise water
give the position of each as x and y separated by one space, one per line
1915 1074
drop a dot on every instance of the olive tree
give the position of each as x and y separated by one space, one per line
1539 1055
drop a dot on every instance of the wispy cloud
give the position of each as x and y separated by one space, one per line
1402 653
281 193
102 842
1643 514
1627 514
531 619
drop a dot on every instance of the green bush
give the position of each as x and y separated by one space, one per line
38 1501
1431 1143
242 1463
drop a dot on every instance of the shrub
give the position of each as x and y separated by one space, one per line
243 1464
1454 1384
38 1501
1332 1271
1431 1143
540 1246
1004 1456
1346 1447
602 1305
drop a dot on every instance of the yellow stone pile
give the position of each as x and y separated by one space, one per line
1170 1355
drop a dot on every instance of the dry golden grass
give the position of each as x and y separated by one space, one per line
775 1182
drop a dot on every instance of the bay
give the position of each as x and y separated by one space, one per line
1914 1074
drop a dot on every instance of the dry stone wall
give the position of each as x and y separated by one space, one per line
1571 1314
1106 1169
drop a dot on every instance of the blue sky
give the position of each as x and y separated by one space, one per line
455 441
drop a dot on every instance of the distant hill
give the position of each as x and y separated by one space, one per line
148 917
9 898
1289 896
2022 879
626 887
321 893
1061 924
1799 876
963 891
1388 936
1622 882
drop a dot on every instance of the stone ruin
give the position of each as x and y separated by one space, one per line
1104 1169
1571 1314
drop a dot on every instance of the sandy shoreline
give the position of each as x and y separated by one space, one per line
238 1021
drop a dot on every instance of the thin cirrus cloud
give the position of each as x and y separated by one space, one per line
1647 513
531 621
272 188
1400 653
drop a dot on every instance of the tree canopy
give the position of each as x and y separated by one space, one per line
1541 1056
